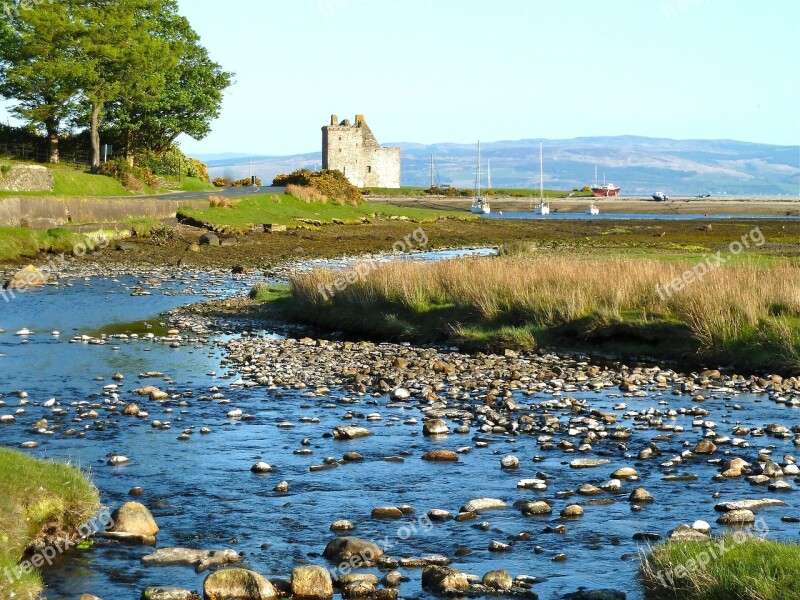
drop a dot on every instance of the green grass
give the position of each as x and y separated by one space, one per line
18 242
82 184
36 496
283 209
142 226
186 184
752 569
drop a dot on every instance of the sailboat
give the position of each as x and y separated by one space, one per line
606 190
592 209
542 209
479 205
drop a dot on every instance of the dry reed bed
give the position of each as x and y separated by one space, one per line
726 306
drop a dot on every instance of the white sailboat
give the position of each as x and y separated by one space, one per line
592 209
542 209
479 205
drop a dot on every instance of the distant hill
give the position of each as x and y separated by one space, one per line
640 165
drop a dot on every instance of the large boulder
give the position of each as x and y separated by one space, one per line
26 278
311 582
238 584
499 580
134 519
346 548
209 239
444 580
435 427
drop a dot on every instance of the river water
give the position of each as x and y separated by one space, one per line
203 495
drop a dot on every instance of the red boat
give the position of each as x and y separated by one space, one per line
607 190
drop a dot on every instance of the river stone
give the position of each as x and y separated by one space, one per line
748 504
498 580
133 518
342 525
624 473
587 463
435 427
166 593
131 410
209 239
261 467
737 517
350 432
480 504
441 456
202 560
705 447
387 512
640 495
572 511
444 580
26 278
539 507
311 582
684 533
344 548
509 462
237 584
437 514
401 394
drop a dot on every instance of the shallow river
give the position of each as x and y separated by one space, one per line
203 494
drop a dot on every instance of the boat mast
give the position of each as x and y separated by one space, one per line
431 171
478 173
489 174
541 175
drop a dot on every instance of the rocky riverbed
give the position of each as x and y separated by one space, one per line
485 474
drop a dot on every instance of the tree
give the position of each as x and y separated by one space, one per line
191 97
38 64
124 61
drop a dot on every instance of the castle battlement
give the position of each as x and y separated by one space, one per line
353 149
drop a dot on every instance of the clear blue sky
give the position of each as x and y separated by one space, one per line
459 70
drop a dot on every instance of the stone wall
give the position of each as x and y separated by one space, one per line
25 178
354 150
46 213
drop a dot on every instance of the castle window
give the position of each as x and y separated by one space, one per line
369 169
340 138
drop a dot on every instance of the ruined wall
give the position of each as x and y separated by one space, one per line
25 178
354 150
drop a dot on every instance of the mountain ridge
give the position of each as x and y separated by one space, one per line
639 164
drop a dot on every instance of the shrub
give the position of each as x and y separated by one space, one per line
173 162
133 178
219 182
219 202
245 182
305 193
331 184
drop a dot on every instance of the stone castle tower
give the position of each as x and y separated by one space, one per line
353 150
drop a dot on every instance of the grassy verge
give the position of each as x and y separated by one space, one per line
18 242
286 210
185 184
754 569
743 315
37 498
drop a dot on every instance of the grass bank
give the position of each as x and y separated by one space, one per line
37 499
746 316
754 569
19 242
284 209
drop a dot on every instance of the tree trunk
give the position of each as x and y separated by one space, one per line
52 140
129 147
95 135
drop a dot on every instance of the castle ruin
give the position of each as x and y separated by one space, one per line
353 150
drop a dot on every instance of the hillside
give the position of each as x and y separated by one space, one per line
640 165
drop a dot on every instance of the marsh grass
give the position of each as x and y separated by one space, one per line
305 193
741 314
753 569
37 497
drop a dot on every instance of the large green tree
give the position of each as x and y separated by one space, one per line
39 67
190 99
135 68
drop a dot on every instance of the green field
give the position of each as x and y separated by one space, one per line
286 210
37 496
